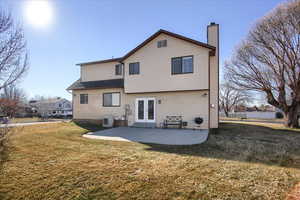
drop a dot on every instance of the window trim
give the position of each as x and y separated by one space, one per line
129 68
121 69
172 73
87 102
160 42
111 94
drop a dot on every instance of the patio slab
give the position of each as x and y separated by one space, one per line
151 135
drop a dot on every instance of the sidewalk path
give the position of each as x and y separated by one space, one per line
30 123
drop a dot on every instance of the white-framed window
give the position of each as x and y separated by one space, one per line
111 99
84 99
182 65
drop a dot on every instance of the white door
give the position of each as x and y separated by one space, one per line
145 110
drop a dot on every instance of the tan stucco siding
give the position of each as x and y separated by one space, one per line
214 77
94 108
95 72
155 67
188 104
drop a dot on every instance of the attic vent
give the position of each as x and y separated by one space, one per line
161 43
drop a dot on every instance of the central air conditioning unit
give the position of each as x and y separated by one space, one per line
108 121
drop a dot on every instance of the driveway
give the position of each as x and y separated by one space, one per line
151 135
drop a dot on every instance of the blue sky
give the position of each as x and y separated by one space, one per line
90 30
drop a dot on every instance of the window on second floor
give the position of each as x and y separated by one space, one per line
134 68
118 69
182 65
161 43
111 99
84 99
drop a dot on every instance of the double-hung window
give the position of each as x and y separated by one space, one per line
84 99
182 65
111 99
118 69
134 68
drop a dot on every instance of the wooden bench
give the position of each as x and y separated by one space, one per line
173 120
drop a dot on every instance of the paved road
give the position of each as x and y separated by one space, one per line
28 124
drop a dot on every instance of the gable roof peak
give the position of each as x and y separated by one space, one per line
205 45
181 37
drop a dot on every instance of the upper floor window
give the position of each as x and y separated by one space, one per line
182 65
118 69
134 68
161 43
111 99
84 99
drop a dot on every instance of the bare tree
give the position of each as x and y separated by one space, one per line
13 63
13 53
231 97
11 100
13 92
268 60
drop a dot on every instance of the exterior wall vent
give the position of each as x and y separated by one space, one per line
161 43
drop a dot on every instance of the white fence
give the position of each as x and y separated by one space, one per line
254 114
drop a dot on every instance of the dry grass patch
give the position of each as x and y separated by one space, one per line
26 120
53 161
295 193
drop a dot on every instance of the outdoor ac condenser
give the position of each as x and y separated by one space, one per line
108 121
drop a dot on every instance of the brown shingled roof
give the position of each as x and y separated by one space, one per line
111 83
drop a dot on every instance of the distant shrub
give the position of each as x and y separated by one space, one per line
279 115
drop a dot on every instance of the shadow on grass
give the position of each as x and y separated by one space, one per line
90 127
3 155
5 132
245 143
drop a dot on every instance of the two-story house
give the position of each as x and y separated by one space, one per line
166 75
52 107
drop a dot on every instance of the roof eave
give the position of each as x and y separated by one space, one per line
94 88
100 61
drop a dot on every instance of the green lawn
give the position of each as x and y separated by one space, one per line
241 161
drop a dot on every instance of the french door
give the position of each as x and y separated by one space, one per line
145 110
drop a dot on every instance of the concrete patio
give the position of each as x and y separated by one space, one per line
151 135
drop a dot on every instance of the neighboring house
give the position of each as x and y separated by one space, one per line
240 108
166 75
24 110
52 107
261 112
